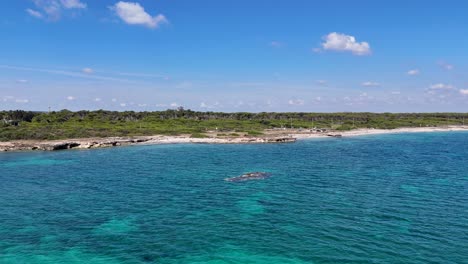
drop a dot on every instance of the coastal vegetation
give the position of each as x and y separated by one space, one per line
19 124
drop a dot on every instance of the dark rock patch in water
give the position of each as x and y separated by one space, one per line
249 176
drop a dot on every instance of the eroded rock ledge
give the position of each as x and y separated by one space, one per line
53 145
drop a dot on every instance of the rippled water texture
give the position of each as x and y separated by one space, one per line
376 199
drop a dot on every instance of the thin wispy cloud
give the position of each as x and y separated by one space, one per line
34 13
344 43
69 4
463 91
53 9
441 86
413 72
87 71
446 66
247 84
296 102
276 44
66 73
134 14
322 82
144 75
370 84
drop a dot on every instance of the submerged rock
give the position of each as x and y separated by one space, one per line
249 176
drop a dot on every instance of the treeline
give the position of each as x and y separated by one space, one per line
66 115
65 124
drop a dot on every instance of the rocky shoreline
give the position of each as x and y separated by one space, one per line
54 145
283 136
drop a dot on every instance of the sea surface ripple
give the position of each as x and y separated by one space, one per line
371 199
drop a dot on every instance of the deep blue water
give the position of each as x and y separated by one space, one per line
374 199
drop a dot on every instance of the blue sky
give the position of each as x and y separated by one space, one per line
244 55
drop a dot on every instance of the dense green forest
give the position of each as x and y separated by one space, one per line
66 124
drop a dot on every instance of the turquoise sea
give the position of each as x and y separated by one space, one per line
372 199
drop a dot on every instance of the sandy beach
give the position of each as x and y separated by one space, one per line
269 137
371 131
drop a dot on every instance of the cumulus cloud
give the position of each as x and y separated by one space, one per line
370 84
53 8
464 91
413 72
88 70
441 86
34 13
345 43
70 98
135 14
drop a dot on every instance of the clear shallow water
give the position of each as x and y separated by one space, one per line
376 199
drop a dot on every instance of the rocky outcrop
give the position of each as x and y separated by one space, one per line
55 145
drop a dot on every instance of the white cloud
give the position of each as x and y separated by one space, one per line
464 91
69 4
22 81
114 100
123 104
174 105
413 72
396 92
53 8
87 70
341 42
97 99
441 86
142 105
370 84
135 14
296 102
8 98
34 13
22 101
209 106
70 98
